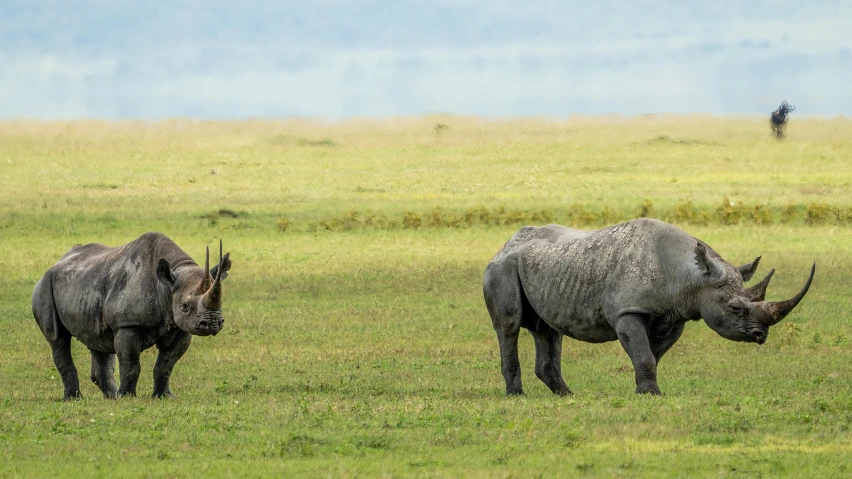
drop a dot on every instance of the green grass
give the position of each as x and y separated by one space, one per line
363 349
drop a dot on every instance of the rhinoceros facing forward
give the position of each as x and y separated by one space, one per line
123 300
638 282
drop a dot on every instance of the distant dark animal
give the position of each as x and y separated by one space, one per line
778 119
123 300
638 282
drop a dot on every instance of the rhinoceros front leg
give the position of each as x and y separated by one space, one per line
103 372
171 348
128 346
633 334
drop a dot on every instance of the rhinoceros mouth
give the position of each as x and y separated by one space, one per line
208 324
209 330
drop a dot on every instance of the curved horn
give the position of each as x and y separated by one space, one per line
213 297
776 311
758 292
205 282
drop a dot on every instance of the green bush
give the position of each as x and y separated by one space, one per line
645 210
685 212
725 213
411 220
817 213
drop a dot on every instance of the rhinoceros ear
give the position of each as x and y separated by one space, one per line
747 270
225 264
709 266
164 273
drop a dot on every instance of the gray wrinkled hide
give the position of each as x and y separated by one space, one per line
638 282
114 301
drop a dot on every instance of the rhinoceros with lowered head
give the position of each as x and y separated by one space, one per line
123 300
638 282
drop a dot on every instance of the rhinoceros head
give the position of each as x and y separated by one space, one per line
732 310
197 299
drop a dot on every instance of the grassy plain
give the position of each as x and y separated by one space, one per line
356 341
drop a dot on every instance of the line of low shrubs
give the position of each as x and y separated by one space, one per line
725 213
436 218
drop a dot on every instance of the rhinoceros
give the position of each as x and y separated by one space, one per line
638 282
123 300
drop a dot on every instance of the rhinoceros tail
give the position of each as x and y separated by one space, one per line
44 309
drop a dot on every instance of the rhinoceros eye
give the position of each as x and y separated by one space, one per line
184 308
737 309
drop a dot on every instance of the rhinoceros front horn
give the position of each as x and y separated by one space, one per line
213 297
773 312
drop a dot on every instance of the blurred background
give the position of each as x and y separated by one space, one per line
225 59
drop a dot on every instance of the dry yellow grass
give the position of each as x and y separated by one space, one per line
306 167
367 351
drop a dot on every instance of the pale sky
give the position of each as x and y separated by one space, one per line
334 59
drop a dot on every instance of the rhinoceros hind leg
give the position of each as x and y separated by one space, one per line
61 348
103 372
128 346
510 365
502 291
548 358
171 349
59 338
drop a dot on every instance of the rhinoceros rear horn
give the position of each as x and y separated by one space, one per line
758 291
206 281
773 312
213 297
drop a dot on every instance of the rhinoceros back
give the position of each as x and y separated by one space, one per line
550 233
578 281
97 290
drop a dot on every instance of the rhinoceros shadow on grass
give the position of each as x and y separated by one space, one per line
123 300
638 282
